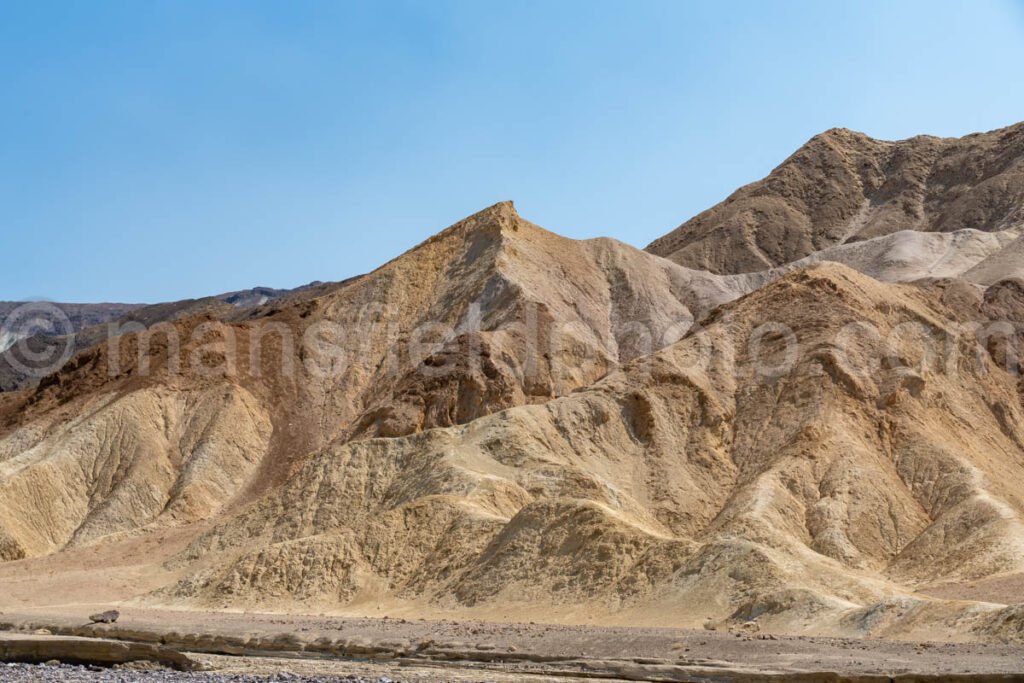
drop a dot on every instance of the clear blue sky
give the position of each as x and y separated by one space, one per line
159 150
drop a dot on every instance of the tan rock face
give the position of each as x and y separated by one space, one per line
503 419
197 413
150 457
701 483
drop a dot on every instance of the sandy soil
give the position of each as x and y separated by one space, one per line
111 572
997 589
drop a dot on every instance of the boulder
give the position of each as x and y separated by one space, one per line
108 617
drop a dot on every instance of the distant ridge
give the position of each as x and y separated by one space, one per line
843 186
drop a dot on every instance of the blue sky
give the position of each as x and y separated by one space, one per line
160 150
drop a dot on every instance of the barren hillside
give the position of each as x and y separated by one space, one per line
844 187
502 421
493 312
681 488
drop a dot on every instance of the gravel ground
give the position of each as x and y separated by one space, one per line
443 651
25 673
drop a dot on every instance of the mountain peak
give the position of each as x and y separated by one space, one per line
503 213
844 134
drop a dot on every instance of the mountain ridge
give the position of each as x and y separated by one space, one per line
502 420
843 185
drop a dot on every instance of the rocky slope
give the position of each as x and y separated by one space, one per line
493 312
502 420
844 186
698 483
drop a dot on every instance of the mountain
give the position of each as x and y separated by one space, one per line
685 486
79 316
492 313
844 187
66 328
505 423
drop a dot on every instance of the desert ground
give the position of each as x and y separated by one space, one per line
424 650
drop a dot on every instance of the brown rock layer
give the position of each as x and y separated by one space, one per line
844 186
